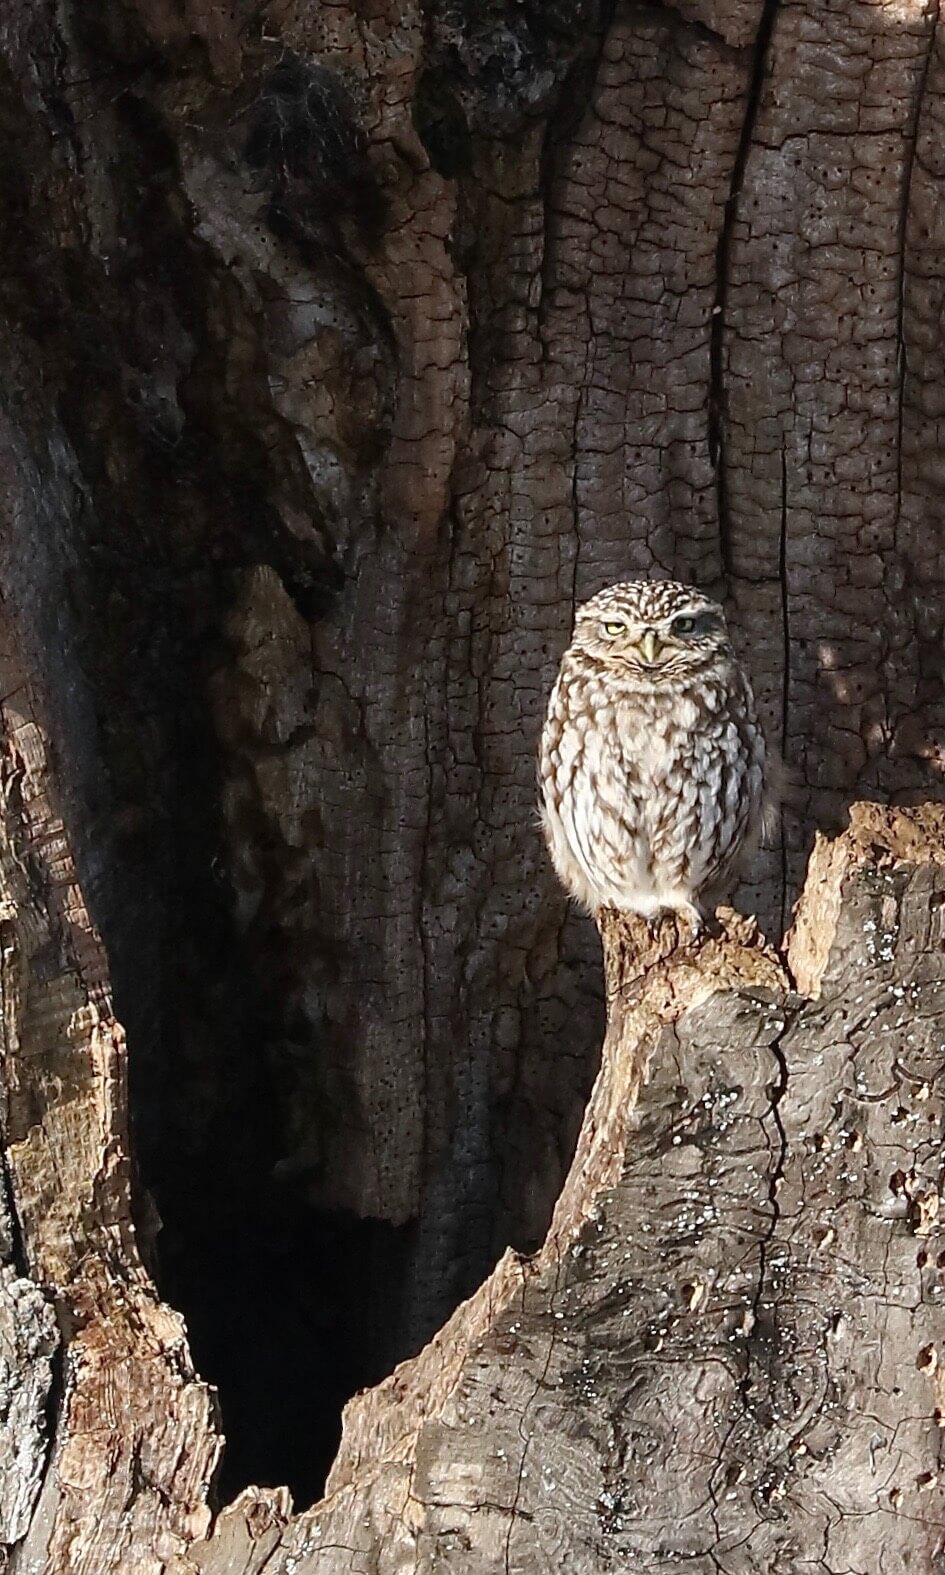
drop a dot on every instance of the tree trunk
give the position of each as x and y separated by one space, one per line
346 348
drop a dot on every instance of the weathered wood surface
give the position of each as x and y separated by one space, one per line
725 1356
108 1440
737 1312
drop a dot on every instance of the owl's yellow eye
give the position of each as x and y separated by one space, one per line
614 628
683 625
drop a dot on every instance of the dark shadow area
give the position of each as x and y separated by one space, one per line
280 1306
289 1309
181 476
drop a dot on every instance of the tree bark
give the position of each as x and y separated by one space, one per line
345 349
737 1311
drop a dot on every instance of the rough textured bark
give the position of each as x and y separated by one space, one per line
109 1441
345 348
737 1311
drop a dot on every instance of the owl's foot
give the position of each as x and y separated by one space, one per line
692 916
688 917
680 928
694 928
710 925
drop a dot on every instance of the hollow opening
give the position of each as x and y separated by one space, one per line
289 1308
279 1303
180 471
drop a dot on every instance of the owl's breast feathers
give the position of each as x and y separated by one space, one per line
650 793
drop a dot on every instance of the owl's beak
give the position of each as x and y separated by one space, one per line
651 646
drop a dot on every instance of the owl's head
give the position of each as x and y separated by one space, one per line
654 629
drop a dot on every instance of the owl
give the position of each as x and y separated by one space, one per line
652 761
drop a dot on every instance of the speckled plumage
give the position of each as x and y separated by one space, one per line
652 757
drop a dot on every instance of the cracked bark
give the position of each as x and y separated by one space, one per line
737 1307
343 353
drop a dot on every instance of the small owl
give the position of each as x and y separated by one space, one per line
652 761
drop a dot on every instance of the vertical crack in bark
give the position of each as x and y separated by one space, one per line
575 500
785 670
574 100
17 1244
777 1093
716 400
905 204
